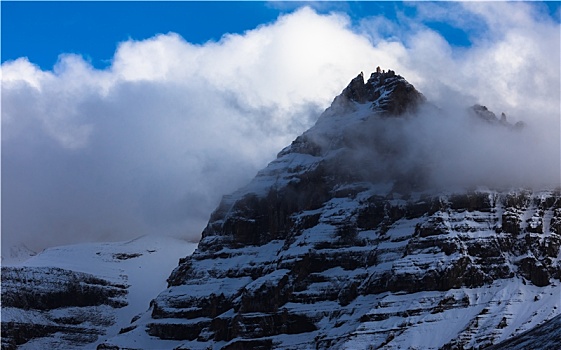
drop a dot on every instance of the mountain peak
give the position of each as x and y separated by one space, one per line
484 114
388 92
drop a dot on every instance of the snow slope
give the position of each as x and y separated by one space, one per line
544 336
142 265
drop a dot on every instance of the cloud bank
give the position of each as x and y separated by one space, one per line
150 144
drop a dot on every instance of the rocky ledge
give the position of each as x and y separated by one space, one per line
39 302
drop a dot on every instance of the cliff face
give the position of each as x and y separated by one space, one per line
336 245
362 270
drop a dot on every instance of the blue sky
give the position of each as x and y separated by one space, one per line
129 118
43 30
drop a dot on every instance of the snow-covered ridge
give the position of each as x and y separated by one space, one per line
17 254
74 296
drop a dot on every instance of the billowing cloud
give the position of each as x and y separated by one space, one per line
151 143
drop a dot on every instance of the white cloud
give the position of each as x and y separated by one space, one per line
149 144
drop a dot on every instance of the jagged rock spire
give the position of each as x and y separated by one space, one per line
483 113
388 92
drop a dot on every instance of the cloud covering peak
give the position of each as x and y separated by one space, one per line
151 143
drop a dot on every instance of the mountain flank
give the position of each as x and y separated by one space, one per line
342 243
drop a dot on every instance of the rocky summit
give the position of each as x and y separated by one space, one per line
337 245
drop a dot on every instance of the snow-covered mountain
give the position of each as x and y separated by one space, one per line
74 297
17 253
343 242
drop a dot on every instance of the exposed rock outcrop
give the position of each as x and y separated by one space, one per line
387 92
74 297
483 113
41 302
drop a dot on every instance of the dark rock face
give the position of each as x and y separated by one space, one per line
40 294
325 250
356 251
63 288
542 337
388 93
